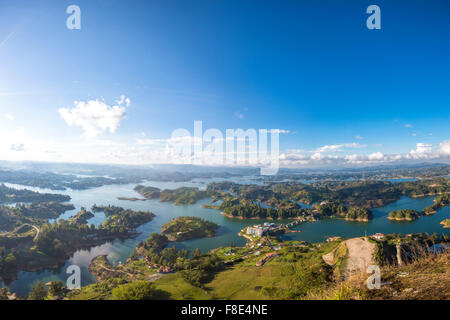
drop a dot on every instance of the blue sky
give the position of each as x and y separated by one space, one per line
311 68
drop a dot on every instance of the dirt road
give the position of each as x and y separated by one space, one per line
360 255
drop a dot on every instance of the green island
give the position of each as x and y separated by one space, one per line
185 228
439 202
446 223
120 218
148 192
180 196
403 215
10 195
351 213
130 199
43 210
81 217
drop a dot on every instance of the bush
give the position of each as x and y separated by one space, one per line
39 292
139 290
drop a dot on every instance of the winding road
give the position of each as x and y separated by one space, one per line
30 225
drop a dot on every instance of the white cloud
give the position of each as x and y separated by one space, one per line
339 147
444 147
94 116
9 117
280 131
408 125
124 100
17 147
358 137
422 148
377 156
422 152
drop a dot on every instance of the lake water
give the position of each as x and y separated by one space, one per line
119 251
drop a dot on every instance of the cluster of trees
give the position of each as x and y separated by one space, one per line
56 289
10 195
200 269
197 269
183 195
439 202
154 248
346 212
120 219
82 216
8 264
180 196
242 208
13 217
138 290
247 210
148 192
183 228
63 238
124 219
424 187
43 210
404 214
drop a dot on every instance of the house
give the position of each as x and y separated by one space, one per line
377 236
163 269
268 256
271 254
331 239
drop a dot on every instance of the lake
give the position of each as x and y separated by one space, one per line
119 251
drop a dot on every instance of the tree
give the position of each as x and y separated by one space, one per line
39 292
139 290
196 253
56 288
4 293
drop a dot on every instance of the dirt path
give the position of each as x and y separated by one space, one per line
29 225
360 255
117 270
155 277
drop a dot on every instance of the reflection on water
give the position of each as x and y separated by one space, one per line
119 251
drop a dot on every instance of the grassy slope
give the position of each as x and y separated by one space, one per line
180 289
285 277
